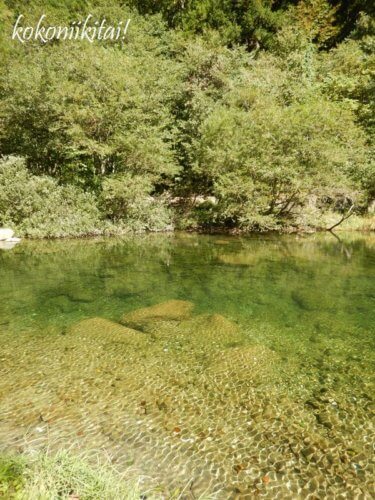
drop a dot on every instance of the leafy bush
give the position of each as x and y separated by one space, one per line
266 149
37 206
127 200
80 112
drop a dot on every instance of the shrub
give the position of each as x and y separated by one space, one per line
127 200
265 151
37 206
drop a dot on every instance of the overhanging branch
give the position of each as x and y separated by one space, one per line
346 217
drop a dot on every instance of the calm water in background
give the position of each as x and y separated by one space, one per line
298 423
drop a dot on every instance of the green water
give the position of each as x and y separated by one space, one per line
264 389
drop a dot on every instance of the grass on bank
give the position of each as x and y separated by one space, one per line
64 476
61 477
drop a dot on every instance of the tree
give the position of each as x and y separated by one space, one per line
80 112
251 22
264 153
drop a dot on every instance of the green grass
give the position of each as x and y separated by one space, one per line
62 476
11 476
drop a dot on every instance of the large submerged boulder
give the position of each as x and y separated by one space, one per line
103 330
199 334
212 330
172 310
240 259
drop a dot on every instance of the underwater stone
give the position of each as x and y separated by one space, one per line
240 259
213 328
172 310
306 300
61 302
219 322
99 327
327 420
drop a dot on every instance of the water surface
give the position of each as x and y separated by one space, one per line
258 381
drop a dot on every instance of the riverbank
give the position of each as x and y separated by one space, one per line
355 223
40 207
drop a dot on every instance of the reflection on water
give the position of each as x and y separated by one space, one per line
253 375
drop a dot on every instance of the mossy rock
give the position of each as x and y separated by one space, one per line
208 331
172 310
102 329
61 303
65 299
83 296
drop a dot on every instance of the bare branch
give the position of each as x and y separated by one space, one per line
349 214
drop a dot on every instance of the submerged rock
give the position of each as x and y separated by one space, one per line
203 333
218 322
172 310
212 329
60 302
83 296
303 300
100 328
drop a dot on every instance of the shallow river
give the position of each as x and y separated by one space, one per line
203 365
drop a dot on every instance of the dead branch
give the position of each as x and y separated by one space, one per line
346 217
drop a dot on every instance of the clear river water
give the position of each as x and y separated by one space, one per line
204 366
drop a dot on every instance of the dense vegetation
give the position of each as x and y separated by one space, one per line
254 114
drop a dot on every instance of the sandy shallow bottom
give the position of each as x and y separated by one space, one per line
189 404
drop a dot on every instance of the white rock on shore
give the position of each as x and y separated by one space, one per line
5 233
7 239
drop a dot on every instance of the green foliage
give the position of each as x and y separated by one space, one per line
78 119
250 22
209 70
38 206
255 22
316 19
127 200
348 73
251 107
265 152
62 476
11 476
